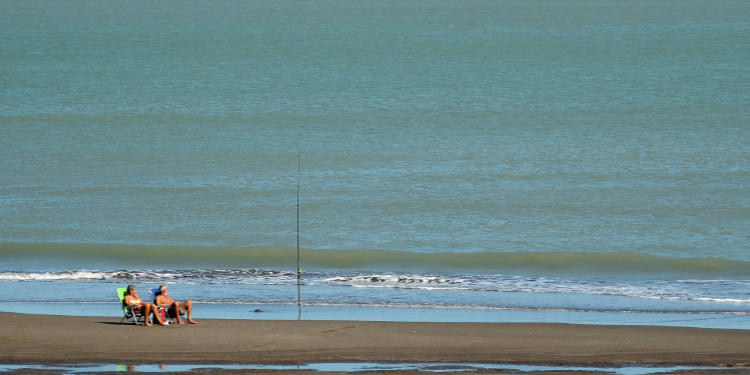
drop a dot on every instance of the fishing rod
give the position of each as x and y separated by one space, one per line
299 270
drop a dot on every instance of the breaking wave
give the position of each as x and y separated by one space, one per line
205 276
723 291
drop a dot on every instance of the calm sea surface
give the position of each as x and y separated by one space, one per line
578 161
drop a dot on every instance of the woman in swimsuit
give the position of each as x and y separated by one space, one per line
143 308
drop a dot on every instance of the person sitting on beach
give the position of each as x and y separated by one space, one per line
143 308
175 307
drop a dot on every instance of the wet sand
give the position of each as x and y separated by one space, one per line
35 339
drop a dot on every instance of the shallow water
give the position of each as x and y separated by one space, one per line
389 312
352 367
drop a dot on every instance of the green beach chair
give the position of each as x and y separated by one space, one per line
128 312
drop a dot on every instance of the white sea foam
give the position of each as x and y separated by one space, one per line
393 279
50 276
84 275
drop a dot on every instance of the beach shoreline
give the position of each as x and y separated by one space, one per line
36 339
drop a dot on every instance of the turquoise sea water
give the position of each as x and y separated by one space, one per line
539 157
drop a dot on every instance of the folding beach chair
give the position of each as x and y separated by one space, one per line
168 317
128 312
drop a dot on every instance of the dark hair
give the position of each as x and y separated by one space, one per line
130 287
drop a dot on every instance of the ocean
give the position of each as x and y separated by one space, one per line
550 161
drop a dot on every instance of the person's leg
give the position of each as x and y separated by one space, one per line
146 311
174 309
155 311
188 306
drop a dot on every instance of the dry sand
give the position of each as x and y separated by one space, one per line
33 339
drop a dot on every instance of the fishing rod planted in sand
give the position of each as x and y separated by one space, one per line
299 270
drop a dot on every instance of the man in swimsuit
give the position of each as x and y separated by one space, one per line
175 307
143 308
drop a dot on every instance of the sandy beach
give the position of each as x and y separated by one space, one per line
30 339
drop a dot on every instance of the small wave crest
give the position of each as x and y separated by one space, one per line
207 276
399 282
394 279
712 291
79 275
429 286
